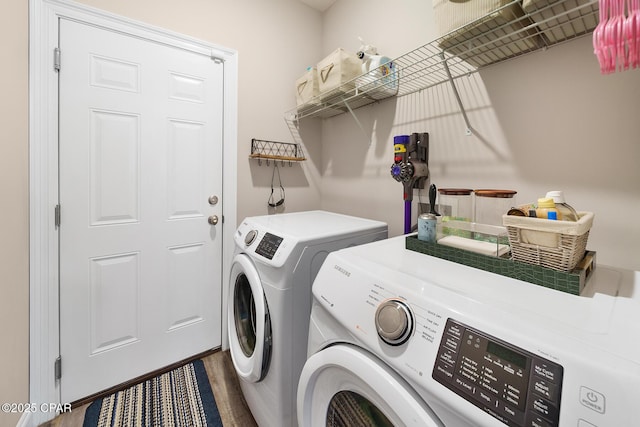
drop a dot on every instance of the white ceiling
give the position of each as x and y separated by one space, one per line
320 5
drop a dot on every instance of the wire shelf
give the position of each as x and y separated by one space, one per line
272 150
503 34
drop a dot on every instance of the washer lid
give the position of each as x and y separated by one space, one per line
313 225
354 376
274 239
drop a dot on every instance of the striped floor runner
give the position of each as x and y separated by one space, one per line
179 398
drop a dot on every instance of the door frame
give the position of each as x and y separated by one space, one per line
44 333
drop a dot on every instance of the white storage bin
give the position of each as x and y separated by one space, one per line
337 73
307 87
496 37
451 15
567 25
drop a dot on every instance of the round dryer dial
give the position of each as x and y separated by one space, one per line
250 237
394 321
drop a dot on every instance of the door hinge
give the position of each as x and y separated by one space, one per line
56 59
57 368
57 216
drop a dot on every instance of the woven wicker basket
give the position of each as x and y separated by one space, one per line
559 245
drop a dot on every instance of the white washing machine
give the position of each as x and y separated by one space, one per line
404 339
277 257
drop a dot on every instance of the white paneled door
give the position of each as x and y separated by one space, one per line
140 163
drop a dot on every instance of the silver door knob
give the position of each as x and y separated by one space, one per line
213 219
213 200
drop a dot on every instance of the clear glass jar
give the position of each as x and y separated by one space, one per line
455 204
491 204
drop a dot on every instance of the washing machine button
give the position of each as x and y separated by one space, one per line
592 399
394 321
250 237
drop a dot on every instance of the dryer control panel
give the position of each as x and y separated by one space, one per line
268 245
513 385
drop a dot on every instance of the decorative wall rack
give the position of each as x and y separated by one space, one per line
498 36
272 150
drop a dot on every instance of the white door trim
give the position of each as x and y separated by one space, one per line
44 16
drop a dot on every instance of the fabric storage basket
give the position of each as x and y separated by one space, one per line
307 87
498 35
337 73
559 245
543 12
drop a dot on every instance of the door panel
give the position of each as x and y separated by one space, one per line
114 287
114 181
186 305
140 154
186 145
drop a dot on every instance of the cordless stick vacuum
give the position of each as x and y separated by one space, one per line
410 167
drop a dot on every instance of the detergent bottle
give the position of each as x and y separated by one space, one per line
567 212
547 209
365 53
379 77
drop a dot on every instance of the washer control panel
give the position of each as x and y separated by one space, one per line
268 245
513 385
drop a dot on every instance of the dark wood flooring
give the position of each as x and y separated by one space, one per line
224 383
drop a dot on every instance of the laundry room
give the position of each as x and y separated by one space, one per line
555 119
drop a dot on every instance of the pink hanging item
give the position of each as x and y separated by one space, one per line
616 38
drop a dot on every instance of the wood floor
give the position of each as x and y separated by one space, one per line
226 389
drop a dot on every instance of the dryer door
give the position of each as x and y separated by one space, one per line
343 384
249 321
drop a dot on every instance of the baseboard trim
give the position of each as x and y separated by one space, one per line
25 420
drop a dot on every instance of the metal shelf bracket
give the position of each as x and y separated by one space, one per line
468 131
353 114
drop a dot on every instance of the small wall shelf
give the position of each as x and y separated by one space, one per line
483 42
272 150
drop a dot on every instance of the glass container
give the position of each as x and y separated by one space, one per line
491 204
455 204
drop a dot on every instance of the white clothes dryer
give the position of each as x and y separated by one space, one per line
405 339
277 257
